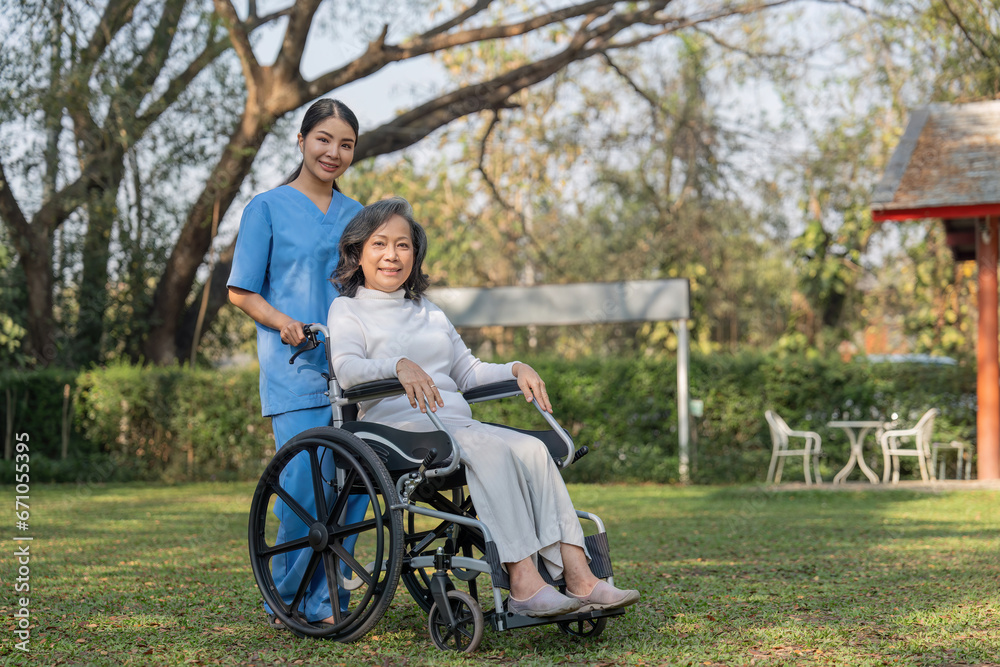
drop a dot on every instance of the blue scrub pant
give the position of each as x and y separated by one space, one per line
288 569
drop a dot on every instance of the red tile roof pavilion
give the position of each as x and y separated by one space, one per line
947 166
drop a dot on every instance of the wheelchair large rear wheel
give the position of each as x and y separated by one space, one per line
348 495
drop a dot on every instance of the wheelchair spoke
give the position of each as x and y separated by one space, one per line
285 547
331 566
341 503
300 511
353 529
317 478
300 594
460 621
357 567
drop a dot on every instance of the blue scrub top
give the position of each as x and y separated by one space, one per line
286 251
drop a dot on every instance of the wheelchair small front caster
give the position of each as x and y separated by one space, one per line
585 627
467 632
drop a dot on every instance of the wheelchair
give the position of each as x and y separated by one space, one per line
420 526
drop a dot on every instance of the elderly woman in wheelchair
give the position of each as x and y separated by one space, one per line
401 381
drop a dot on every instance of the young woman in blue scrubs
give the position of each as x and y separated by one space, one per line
285 253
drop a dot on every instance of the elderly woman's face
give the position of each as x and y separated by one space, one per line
387 256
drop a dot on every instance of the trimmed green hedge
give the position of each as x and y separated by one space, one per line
625 410
172 424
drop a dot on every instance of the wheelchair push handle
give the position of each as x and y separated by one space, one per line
312 341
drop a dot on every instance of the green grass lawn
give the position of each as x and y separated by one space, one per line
126 575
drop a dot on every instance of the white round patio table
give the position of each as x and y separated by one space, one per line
856 431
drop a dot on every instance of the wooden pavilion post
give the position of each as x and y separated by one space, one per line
988 352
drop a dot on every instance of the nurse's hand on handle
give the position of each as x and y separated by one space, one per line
292 333
531 385
419 386
260 310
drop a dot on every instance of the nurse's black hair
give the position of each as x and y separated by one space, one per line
349 277
319 111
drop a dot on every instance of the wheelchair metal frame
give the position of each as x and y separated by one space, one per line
456 619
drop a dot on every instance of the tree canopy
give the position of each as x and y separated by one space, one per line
574 141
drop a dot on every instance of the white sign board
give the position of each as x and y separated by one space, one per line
579 303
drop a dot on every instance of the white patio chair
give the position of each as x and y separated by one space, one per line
938 449
894 444
780 433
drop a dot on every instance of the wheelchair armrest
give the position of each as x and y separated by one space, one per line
489 392
371 390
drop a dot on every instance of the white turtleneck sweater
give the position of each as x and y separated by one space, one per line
373 330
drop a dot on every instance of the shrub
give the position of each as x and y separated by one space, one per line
174 424
34 403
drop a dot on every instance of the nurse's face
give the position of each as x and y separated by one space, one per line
387 257
328 150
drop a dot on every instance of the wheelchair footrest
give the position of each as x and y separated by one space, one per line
502 620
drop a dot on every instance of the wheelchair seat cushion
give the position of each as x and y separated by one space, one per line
402 451
557 448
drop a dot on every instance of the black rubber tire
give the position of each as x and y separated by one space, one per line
469 624
380 533
586 627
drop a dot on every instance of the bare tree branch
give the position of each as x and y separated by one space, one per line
379 55
253 21
214 48
141 80
421 45
632 84
482 157
289 60
776 55
459 19
965 31
408 128
117 14
240 37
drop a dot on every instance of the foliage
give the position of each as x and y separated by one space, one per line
927 297
131 128
611 171
624 410
40 404
171 423
11 302
152 575
952 49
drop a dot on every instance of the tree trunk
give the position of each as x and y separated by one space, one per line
218 296
36 262
169 300
93 295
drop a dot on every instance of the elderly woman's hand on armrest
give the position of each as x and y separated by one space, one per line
531 385
419 386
